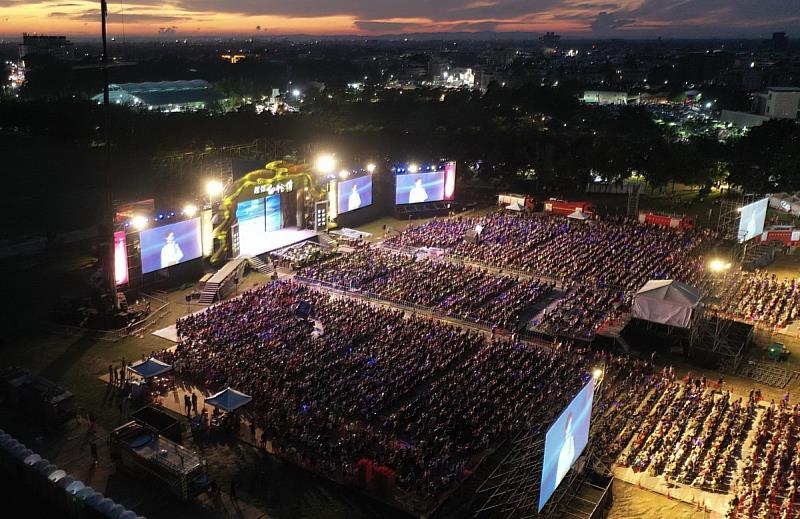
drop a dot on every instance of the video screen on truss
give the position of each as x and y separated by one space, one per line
565 441
170 245
355 194
415 188
257 218
751 223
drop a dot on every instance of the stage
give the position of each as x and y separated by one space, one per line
274 240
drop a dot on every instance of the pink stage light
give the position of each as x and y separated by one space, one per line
120 258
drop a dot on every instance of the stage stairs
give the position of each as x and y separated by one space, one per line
209 293
258 264
325 240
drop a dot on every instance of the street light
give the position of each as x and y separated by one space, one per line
325 164
370 168
296 92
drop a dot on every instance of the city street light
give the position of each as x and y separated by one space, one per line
325 164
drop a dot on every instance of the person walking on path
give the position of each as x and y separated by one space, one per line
194 402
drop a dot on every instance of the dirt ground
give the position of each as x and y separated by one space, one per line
631 502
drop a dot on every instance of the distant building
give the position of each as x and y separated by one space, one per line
780 102
599 97
550 40
779 41
39 45
775 103
165 96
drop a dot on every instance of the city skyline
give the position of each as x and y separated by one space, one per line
571 18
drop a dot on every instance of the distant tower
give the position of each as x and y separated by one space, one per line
550 41
779 40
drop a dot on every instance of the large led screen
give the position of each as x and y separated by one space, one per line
355 194
565 441
170 245
751 223
257 218
415 188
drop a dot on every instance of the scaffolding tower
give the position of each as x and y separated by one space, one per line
634 191
711 339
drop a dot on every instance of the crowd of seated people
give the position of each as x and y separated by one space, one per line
758 297
461 291
768 486
580 312
612 252
302 255
694 435
365 381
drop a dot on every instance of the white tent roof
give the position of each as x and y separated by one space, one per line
578 215
666 302
670 291
150 368
228 399
514 207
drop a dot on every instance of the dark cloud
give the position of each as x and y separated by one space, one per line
168 30
93 15
376 10
608 22
380 27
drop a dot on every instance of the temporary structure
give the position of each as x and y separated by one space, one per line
228 400
150 368
666 301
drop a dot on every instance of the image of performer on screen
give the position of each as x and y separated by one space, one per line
354 202
171 253
417 194
567 453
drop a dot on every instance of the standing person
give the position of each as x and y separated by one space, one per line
187 405
112 379
194 402
253 429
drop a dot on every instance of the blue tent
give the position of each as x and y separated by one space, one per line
150 368
228 400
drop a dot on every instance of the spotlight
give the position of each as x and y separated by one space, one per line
139 222
343 174
190 210
413 168
214 188
597 373
325 163
370 168
718 265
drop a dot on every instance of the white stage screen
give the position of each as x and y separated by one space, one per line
257 219
355 194
751 223
565 441
170 245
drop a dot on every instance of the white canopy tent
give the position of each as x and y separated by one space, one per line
150 368
666 301
228 400
578 215
514 207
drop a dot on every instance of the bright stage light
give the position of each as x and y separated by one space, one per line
214 188
597 373
413 168
717 265
325 164
190 210
343 174
370 168
296 92
139 222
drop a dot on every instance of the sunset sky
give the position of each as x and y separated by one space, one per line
588 18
